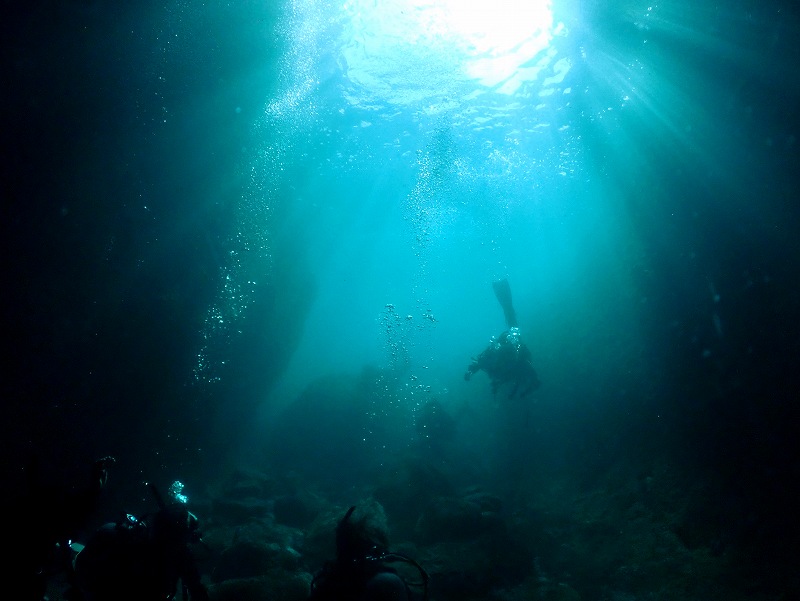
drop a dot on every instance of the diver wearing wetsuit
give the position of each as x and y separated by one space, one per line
507 359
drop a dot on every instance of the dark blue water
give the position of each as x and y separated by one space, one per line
265 235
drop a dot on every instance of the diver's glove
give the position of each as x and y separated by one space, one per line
471 369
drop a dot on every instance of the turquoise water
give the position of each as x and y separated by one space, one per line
265 234
408 154
423 181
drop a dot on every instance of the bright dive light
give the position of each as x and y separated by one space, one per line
493 42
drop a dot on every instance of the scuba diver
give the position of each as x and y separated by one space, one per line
507 360
142 559
360 571
42 535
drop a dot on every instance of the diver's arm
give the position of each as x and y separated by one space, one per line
471 369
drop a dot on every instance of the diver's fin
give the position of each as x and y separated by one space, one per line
502 290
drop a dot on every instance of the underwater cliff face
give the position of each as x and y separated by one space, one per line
245 232
122 177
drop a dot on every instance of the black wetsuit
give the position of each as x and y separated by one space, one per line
125 560
351 581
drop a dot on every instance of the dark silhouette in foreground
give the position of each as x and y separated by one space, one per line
360 571
142 559
48 516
